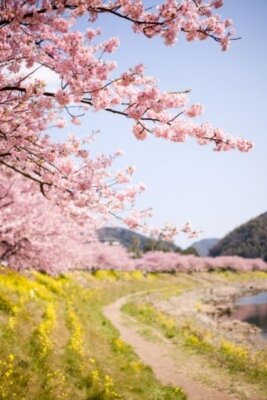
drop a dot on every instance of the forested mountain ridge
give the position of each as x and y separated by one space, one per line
248 240
130 239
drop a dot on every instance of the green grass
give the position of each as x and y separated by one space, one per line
55 343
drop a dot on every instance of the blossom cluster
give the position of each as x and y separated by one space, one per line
37 36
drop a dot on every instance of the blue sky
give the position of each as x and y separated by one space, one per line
215 191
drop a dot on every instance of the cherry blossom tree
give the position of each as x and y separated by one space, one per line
158 261
111 257
42 34
38 34
34 232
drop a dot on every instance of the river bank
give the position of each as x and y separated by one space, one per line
212 307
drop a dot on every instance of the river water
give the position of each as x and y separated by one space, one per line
252 309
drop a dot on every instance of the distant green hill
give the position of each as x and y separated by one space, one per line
248 240
133 240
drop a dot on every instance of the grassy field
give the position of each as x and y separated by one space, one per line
56 344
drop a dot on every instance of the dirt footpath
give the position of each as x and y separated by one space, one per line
173 365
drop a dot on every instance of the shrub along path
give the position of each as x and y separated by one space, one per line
173 364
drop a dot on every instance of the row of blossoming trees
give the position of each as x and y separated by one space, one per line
54 195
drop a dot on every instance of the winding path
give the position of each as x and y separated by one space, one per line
160 357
